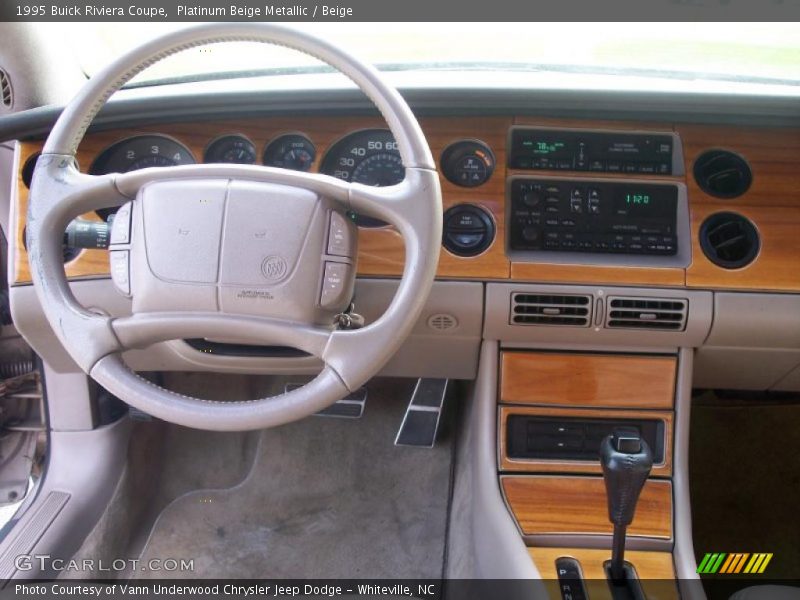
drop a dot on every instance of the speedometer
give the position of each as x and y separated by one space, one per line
370 157
139 152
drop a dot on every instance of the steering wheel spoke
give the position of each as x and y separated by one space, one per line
143 330
131 182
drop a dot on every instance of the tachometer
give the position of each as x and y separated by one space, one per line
370 157
139 152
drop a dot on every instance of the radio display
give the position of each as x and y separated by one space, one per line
643 201
578 150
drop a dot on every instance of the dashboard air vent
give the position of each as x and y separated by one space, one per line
6 95
668 314
729 240
722 173
551 309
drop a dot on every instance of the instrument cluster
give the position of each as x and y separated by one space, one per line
367 156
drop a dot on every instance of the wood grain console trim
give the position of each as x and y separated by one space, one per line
545 505
588 380
655 570
519 465
775 268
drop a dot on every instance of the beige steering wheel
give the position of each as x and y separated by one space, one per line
302 203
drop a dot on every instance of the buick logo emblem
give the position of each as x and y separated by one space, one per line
274 268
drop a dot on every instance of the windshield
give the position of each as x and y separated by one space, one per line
755 53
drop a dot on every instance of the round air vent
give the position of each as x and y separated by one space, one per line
28 168
729 240
722 174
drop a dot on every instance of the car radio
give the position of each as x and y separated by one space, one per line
644 153
605 216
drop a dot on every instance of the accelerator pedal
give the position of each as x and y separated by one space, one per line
421 422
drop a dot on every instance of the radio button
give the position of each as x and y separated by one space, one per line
597 165
614 166
532 199
531 234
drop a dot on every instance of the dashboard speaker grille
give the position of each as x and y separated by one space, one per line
551 309
647 313
6 94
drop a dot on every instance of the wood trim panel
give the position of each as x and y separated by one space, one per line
381 251
773 154
577 505
771 203
589 380
663 469
775 267
655 570
599 275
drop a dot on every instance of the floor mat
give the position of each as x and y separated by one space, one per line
325 498
745 478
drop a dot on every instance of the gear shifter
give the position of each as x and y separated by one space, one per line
626 460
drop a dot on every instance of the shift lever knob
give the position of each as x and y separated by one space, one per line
626 459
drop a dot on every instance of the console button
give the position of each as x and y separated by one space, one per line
120 270
531 234
334 285
597 165
532 199
340 235
121 227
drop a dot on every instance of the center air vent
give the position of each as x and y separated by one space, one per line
729 240
722 174
646 313
6 95
551 309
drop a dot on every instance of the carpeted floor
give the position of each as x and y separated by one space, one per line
324 498
745 477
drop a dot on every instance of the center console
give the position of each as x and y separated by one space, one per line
624 206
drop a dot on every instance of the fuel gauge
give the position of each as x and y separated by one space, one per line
290 151
235 149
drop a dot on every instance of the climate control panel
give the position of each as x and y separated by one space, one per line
596 216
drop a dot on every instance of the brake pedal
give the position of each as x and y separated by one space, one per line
349 407
421 422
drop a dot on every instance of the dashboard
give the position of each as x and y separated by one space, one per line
586 233
715 204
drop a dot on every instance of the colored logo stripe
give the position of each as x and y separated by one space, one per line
739 562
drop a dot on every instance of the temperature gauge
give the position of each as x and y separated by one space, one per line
291 151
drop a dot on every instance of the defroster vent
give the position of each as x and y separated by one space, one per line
551 309
647 313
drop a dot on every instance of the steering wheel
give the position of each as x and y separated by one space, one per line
263 255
